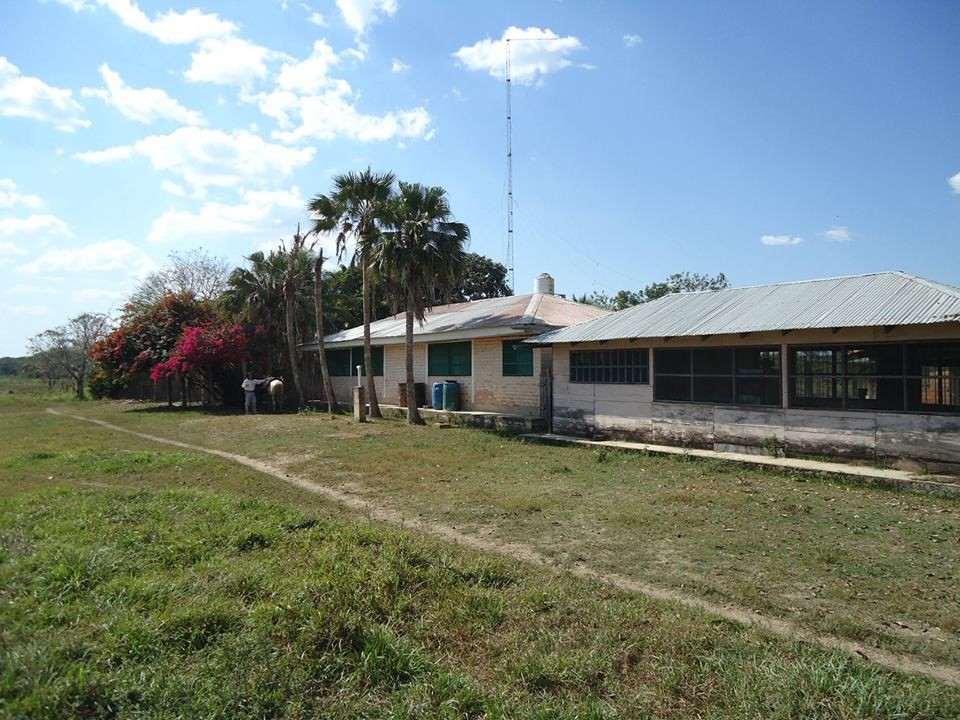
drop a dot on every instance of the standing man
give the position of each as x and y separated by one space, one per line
249 386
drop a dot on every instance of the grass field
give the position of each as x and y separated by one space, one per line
142 580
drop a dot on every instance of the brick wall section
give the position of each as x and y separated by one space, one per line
519 395
343 388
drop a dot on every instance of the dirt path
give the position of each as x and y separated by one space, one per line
903 663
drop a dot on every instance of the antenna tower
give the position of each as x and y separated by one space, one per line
513 283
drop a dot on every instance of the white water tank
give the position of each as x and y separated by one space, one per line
543 284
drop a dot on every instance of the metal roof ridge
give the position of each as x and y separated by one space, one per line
530 312
932 284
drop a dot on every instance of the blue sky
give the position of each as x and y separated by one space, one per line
771 141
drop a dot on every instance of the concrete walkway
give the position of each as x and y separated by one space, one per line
932 484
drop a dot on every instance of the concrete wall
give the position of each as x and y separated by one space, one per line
629 411
486 389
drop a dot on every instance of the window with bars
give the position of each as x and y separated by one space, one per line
623 367
453 359
725 376
517 359
933 376
877 376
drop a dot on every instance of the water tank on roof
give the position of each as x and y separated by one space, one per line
543 284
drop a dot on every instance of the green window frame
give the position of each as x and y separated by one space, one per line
343 362
338 361
450 359
517 359
357 359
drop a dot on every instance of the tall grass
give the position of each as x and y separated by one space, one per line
192 604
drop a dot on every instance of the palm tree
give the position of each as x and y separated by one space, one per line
290 283
356 208
255 296
332 406
423 251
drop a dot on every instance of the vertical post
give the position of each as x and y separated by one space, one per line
359 405
513 279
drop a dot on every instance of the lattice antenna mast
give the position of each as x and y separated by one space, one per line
510 268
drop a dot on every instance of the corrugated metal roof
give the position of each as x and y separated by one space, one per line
877 299
532 313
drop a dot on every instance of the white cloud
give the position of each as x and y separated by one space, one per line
76 5
317 19
279 105
955 182
534 53
359 14
9 250
173 188
631 40
780 240
261 211
96 257
204 157
229 61
101 157
309 76
33 226
20 310
144 105
398 66
11 197
308 103
170 28
30 97
357 54
330 115
838 233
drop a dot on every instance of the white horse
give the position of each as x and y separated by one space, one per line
275 388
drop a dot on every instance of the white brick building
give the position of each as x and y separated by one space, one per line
474 343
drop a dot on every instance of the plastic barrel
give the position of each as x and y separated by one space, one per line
438 396
451 395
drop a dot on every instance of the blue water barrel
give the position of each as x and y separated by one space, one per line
437 396
451 395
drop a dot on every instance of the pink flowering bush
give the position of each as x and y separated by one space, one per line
211 345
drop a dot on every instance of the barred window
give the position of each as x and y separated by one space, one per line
742 376
624 367
877 376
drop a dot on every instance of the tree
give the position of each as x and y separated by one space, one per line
145 337
67 348
343 300
255 298
321 349
290 282
422 253
481 278
685 282
356 208
195 273
676 283
210 349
